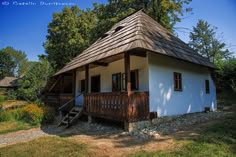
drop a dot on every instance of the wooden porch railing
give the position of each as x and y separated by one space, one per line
57 100
118 106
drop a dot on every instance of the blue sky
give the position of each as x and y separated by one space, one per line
25 27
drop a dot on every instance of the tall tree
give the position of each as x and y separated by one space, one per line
7 65
19 58
34 80
203 39
68 35
166 12
15 60
226 76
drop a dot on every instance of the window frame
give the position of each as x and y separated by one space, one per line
136 73
118 75
177 78
82 85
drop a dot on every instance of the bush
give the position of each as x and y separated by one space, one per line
5 116
0 107
2 98
10 114
49 114
11 95
32 114
17 113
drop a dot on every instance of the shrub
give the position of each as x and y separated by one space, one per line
5 116
32 114
11 95
0 107
17 113
2 98
49 114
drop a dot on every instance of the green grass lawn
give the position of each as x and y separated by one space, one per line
14 125
218 140
46 147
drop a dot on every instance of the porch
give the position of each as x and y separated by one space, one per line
114 88
117 106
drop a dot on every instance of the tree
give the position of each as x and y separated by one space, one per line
203 40
34 80
226 76
68 35
7 65
165 12
18 59
168 12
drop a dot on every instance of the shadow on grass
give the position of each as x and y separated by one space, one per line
219 139
100 129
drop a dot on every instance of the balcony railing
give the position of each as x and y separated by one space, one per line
118 106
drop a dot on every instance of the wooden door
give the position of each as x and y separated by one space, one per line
95 83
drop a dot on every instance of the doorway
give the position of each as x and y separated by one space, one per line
95 83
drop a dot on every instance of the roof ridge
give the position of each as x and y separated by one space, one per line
140 31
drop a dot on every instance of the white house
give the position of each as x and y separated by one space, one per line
138 70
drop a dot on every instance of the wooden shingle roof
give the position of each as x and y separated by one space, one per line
8 82
136 31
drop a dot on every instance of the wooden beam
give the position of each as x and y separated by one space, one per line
74 82
61 84
87 78
100 63
138 52
54 84
127 72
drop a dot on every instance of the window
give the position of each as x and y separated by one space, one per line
116 82
207 87
177 81
123 81
118 28
82 86
134 80
95 84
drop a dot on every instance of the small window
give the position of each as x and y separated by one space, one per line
177 81
207 86
82 86
118 28
116 82
134 80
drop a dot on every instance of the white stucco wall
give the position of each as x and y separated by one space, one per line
105 73
193 98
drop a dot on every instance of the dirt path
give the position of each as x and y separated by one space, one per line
21 136
118 145
99 144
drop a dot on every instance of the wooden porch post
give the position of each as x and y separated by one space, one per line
87 88
74 82
128 88
87 78
62 84
127 73
74 85
61 90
